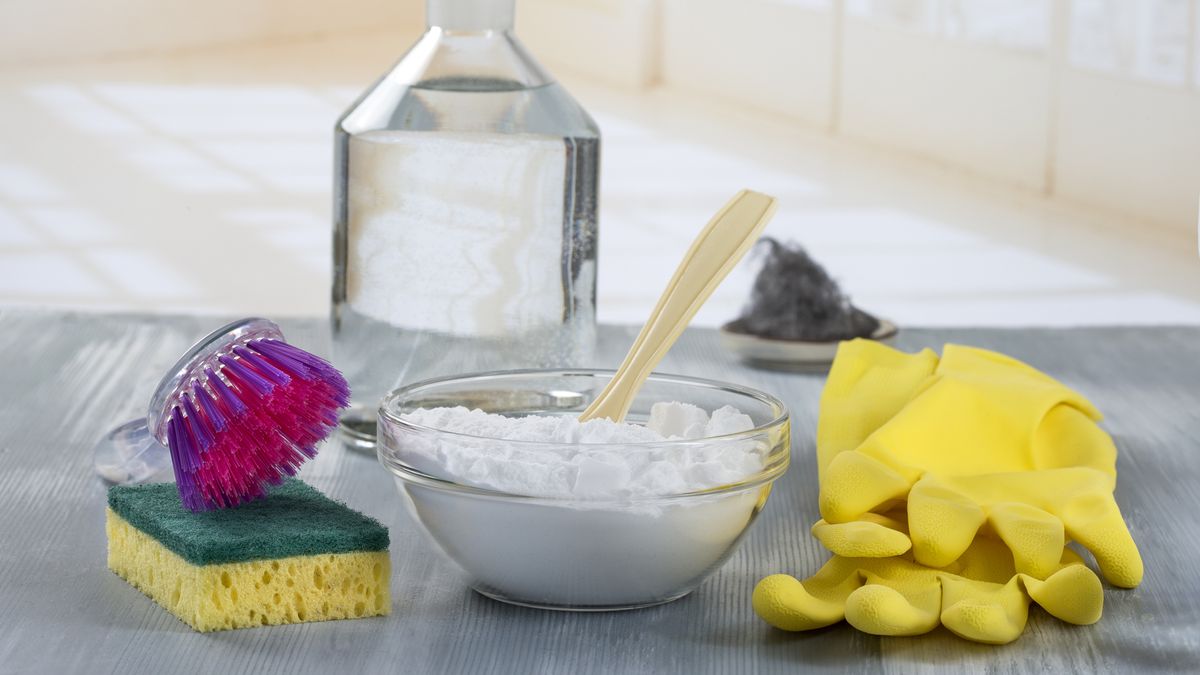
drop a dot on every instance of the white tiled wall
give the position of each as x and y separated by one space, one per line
1129 146
1096 102
124 181
58 31
771 56
969 104
613 41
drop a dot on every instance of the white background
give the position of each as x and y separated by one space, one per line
952 162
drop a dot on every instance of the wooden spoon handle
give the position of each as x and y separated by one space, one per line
718 248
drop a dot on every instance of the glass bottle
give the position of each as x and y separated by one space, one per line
465 214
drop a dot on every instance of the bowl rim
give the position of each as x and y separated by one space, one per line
777 462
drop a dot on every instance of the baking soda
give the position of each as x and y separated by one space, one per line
597 459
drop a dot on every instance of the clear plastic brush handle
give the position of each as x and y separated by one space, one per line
129 455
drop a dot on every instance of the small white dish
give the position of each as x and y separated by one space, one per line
792 353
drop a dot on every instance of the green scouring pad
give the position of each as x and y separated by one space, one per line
291 557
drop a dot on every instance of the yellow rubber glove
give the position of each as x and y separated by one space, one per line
980 597
973 440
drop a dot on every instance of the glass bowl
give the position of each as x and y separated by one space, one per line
573 552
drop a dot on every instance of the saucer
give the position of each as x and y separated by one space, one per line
771 352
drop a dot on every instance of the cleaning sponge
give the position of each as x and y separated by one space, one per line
295 556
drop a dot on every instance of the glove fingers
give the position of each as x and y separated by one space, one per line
782 601
872 536
1095 522
854 484
1034 536
882 610
984 612
1072 594
941 523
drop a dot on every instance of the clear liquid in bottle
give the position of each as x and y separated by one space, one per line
465 215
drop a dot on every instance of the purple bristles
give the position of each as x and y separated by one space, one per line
199 425
212 412
182 449
238 369
285 353
183 465
223 393
262 366
281 355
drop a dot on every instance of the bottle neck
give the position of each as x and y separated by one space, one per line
470 15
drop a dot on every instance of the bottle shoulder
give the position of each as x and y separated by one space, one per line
547 110
468 83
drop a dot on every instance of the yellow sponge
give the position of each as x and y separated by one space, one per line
234 576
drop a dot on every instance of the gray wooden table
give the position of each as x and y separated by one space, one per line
65 378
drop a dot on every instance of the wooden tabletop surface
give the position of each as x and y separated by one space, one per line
67 378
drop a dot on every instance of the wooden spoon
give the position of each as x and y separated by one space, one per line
717 249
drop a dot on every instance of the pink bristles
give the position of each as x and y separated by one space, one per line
251 423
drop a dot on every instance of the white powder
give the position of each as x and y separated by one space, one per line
598 459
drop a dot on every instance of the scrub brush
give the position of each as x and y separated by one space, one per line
238 413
